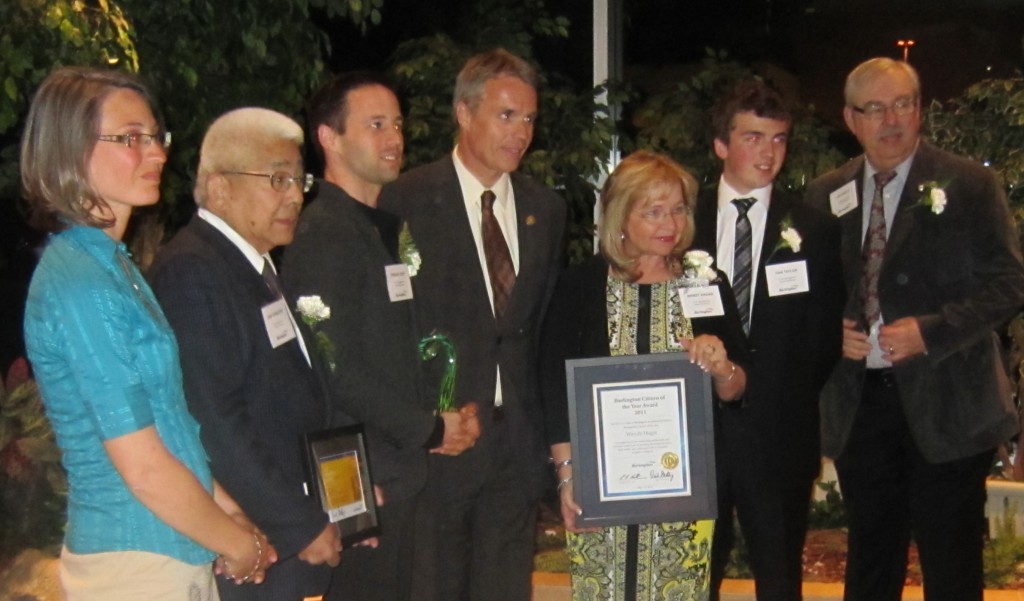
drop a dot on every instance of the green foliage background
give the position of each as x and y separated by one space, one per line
203 57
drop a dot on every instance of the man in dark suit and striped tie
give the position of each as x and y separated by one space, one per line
783 262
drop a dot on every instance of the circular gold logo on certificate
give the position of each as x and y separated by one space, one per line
670 461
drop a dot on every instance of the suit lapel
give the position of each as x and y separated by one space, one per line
456 238
921 168
777 211
240 267
528 230
706 222
851 224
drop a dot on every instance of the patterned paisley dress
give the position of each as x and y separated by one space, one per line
649 562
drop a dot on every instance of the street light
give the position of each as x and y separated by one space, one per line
905 45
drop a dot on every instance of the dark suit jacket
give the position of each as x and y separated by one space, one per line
794 339
253 402
576 327
339 255
451 297
960 274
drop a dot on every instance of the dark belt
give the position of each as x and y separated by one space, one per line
880 377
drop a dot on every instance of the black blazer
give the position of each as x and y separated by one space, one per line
338 254
794 341
576 327
451 297
960 274
253 402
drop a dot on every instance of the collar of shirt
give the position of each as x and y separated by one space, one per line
472 188
726 194
251 254
504 209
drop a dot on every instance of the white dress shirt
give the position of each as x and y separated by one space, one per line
504 211
727 215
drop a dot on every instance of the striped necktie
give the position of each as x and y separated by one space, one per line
742 261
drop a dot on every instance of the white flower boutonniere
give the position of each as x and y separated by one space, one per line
698 269
789 237
933 196
313 312
407 250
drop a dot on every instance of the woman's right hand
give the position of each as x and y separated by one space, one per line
570 510
569 507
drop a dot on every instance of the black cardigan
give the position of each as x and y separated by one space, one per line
576 327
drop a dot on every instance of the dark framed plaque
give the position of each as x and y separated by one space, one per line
642 435
339 477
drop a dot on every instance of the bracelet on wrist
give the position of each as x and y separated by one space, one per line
562 463
732 373
563 482
259 558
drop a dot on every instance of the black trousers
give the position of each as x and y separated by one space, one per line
475 531
892 494
383 573
771 509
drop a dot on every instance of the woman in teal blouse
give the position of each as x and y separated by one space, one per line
145 518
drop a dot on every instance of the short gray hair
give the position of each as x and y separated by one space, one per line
483 67
867 71
233 138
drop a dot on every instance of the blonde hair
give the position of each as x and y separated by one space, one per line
639 178
867 71
233 140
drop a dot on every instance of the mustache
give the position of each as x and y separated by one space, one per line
891 130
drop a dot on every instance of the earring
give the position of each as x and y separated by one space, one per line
622 236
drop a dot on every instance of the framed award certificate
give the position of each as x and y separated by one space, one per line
339 477
642 435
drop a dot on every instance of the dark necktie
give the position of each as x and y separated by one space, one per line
742 261
499 261
874 251
270 278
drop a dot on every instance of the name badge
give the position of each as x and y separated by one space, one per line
843 200
279 325
701 301
399 282
787 278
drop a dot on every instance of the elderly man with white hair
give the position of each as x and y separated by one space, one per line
250 379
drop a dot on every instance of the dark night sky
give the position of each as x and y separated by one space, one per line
817 41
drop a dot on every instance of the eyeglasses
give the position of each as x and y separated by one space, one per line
676 212
137 139
279 180
875 111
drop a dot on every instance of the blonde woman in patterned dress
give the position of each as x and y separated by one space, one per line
624 302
